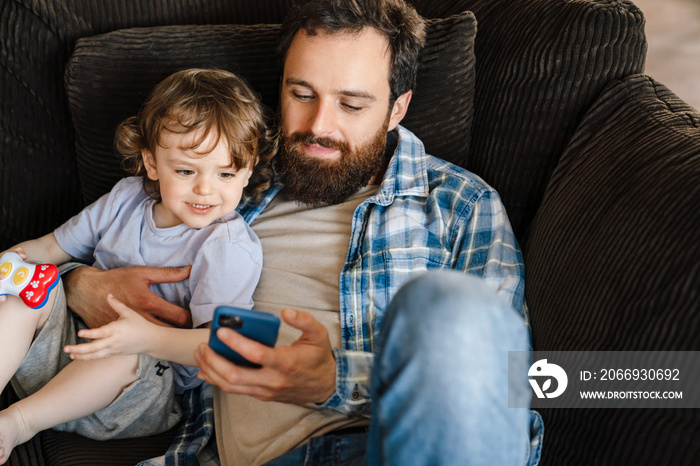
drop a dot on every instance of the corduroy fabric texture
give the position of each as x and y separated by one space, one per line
109 76
540 64
613 264
63 449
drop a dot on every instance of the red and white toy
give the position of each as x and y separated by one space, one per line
32 283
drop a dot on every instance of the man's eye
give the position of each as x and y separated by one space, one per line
302 96
352 108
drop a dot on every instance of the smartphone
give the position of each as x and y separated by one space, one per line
259 326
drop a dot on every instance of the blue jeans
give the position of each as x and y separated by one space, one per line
440 384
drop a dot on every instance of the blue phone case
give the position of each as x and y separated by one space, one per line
259 326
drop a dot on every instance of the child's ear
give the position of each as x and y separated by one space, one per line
250 172
247 177
149 162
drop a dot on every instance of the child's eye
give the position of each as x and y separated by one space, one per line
227 176
185 172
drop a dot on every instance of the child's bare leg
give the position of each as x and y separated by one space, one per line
18 325
81 388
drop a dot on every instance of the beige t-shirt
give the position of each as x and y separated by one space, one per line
304 250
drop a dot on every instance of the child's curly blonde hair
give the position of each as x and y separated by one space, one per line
206 100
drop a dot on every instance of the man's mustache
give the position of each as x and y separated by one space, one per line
308 138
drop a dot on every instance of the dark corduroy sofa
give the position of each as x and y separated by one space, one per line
598 166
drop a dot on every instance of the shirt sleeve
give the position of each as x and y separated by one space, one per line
352 394
487 247
81 233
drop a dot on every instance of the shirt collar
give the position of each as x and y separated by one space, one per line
406 174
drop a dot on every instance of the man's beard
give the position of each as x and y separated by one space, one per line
320 182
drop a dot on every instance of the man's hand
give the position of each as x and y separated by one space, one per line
86 288
298 374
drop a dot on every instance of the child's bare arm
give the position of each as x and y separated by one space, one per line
132 334
43 249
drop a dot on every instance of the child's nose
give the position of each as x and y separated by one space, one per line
203 186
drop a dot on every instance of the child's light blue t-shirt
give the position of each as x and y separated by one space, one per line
118 230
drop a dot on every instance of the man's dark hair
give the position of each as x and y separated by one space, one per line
399 22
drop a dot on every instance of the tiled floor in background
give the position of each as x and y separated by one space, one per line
673 35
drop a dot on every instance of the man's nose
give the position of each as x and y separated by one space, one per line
322 119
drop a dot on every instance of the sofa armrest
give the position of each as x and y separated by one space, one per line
613 264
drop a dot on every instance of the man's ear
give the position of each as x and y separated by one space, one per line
399 109
149 162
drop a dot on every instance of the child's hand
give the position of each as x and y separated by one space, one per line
130 334
19 250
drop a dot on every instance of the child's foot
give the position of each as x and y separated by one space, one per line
13 431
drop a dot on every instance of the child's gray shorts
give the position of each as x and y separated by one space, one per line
147 406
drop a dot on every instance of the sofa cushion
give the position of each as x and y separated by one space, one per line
613 264
109 75
539 67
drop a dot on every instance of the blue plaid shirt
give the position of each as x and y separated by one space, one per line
427 214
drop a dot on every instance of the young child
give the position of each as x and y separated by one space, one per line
198 142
